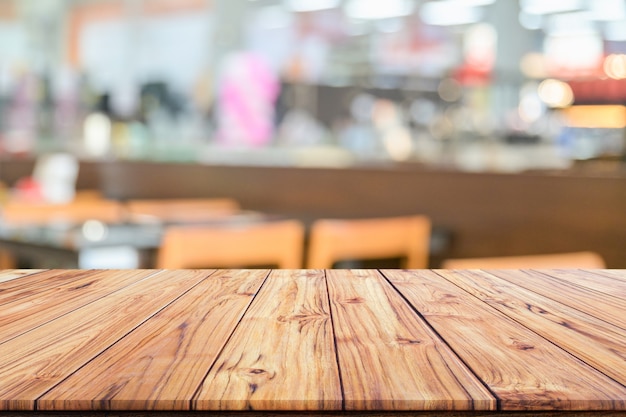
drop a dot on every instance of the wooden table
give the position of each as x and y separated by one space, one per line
335 342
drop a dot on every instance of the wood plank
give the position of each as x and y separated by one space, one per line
389 359
159 365
599 280
596 342
11 274
611 309
282 355
523 369
36 361
49 301
39 283
615 273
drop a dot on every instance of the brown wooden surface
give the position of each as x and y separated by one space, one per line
143 380
594 341
609 307
28 306
8 275
282 356
517 364
383 347
334 342
40 358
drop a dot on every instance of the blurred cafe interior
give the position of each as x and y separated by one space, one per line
500 122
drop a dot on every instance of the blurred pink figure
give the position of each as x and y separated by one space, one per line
248 89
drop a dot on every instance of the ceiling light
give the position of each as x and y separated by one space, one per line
311 5
449 12
551 6
477 2
577 52
378 9
574 23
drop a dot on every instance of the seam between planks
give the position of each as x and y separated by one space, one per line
535 332
157 272
219 353
81 306
444 341
332 325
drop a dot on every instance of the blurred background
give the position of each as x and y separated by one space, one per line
502 121
477 85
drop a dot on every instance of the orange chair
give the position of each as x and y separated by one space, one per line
585 259
277 243
16 212
333 240
180 209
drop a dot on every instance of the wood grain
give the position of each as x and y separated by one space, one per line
11 274
36 306
159 365
13 290
611 309
601 281
619 274
36 361
389 359
520 367
282 355
596 342
312 342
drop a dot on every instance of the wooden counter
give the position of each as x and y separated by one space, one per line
474 214
336 342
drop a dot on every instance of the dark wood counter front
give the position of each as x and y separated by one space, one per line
474 214
334 342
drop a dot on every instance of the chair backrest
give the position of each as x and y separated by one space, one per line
277 243
109 211
584 259
333 240
180 209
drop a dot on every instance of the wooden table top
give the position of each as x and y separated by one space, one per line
328 342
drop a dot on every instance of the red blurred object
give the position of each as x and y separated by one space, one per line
27 189
472 75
